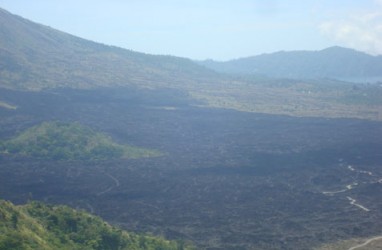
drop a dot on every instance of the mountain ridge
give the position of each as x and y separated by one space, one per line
35 56
331 62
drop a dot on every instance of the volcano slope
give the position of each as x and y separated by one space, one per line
205 172
225 179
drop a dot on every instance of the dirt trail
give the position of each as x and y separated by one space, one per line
354 203
366 242
116 184
349 187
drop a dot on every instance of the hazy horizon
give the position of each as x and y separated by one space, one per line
218 30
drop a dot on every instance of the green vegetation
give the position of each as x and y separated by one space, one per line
313 98
39 226
58 60
70 141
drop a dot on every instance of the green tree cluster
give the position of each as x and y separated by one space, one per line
70 141
40 226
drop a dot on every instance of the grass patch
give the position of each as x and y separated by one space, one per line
70 141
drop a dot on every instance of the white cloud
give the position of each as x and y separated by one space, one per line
362 31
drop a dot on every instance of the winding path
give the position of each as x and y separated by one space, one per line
366 242
353 202
116 184
349 187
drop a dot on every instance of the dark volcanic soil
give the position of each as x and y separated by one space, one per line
228 180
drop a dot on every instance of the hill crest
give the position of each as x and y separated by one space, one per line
333 62
70 141
34 57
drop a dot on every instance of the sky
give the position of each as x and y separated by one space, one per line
213 29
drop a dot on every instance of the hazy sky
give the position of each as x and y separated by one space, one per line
217 29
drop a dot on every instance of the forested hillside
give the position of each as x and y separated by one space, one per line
45 227
70 141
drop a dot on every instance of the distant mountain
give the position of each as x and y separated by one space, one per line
37 57
333 62
33 56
